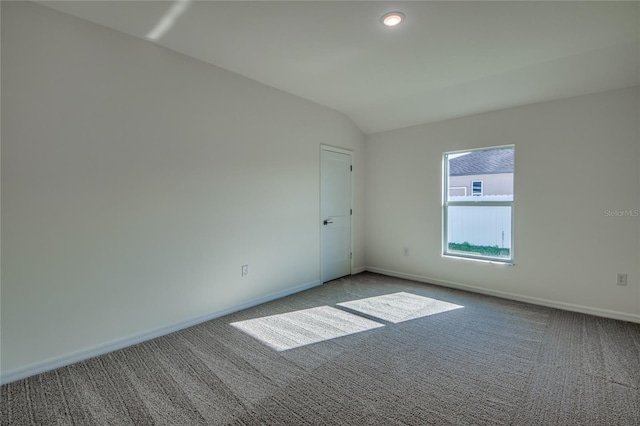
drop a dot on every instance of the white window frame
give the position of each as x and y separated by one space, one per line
446 203
460 187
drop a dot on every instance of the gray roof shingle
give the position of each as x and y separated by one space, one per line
482 162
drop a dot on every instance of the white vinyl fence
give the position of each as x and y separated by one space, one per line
480 225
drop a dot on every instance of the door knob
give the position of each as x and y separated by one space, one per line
326 222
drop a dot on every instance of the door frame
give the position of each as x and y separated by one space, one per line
350 153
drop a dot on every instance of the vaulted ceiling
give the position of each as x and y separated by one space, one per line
448 59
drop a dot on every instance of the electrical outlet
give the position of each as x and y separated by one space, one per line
245 270
405 251
622 279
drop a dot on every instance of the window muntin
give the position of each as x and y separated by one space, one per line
478 222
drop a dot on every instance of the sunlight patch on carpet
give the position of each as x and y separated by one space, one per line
294 329
399 307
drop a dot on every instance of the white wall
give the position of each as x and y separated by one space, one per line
137 181
574 159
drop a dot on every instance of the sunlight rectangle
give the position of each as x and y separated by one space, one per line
294 329
399 307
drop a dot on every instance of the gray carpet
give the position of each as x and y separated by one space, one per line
328 356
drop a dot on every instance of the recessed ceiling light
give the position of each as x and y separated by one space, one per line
392 19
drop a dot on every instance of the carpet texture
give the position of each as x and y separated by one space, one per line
451 357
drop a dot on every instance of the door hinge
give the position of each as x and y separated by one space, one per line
351 211
351 256
351 168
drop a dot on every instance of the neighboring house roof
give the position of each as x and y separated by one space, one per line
484 162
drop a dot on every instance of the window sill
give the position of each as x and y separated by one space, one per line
474 259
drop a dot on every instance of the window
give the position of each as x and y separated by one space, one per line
478 221
476 187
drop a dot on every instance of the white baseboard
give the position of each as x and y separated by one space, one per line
76 356
512 296
358 270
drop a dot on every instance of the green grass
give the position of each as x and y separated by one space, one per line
492 251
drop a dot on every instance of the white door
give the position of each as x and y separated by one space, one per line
335 214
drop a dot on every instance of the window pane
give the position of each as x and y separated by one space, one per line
476 187
480 231
484 175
